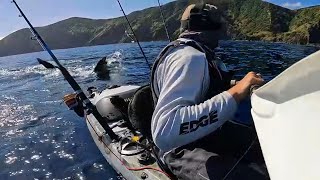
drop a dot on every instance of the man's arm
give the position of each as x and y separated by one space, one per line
180 117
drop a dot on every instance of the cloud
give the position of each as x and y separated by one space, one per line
292 5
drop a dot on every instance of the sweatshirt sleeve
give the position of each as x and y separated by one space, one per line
180 117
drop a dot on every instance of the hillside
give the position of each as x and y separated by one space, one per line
304 27
247 19
257 20
75 32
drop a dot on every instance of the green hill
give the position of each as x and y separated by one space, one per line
75 32
247 20
304 27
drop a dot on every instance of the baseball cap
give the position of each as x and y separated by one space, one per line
201 17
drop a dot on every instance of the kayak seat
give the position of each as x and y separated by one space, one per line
122 106
140 110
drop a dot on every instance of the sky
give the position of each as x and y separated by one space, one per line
295 4
44 12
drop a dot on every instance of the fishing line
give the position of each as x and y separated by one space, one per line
244 154
164 21
133 33
34 36
72 82
253 88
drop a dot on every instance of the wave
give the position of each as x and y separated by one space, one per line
115 60
77 68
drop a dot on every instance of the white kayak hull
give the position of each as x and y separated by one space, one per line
286 113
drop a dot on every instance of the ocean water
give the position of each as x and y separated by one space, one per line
42 139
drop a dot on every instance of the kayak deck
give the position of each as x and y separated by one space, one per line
127 166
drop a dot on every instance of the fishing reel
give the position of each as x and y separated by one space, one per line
74 103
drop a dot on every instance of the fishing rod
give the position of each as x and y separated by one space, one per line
129 35
164 21
75 86
137 40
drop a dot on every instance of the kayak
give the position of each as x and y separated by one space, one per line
129 156
286 115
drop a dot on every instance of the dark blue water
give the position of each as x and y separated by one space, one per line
41 139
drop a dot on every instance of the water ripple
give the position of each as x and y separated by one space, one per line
41 139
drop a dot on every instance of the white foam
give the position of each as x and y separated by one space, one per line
27 161
75 68
35 157
98 166
16 173
37 69
11 159
63 155
83 72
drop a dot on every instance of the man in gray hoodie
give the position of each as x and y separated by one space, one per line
194 100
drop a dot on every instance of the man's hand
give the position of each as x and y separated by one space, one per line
242 89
